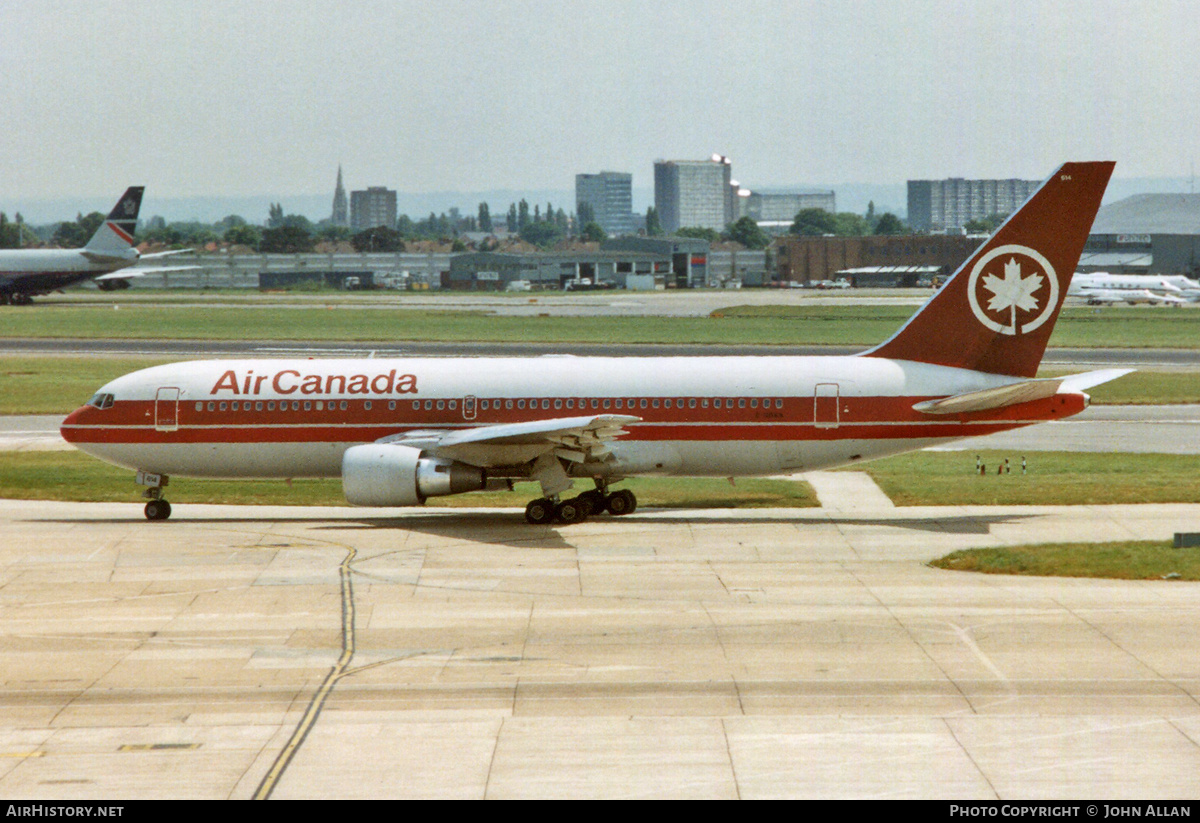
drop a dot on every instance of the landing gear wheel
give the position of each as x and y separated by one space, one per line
158 510
571 511
622 502
594 501
540 511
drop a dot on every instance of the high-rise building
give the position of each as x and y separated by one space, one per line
610 196
374 207
694 193
779 208
341 213
941 205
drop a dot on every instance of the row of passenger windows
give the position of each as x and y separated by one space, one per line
626 403
283 405
609 403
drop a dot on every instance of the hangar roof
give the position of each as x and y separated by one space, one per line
1150 214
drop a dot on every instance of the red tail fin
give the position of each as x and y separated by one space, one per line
997 311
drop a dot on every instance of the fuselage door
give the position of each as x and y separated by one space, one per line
825 405
469 407
166 409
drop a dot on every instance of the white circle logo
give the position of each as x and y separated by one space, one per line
1020 287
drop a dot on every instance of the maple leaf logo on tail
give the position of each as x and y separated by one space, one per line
1013 292
1016 289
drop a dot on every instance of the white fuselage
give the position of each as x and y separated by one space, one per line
721 416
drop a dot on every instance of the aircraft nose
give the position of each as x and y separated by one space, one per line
68 427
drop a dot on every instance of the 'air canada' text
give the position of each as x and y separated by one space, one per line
289 381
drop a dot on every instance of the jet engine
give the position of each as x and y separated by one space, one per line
381 474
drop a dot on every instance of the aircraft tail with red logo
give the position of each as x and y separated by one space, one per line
114 238
996 313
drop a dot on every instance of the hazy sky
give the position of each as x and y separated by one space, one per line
246 97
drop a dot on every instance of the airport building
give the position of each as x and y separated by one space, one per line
948 205
694 193
878 260
1146 234
374 207
610 196
622 263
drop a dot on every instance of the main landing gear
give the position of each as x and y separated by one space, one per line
577 509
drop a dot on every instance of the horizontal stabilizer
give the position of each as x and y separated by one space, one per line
1025 391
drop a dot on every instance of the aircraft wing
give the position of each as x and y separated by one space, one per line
1022 392
165 253
139 271
577 439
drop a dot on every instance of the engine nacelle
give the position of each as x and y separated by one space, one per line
380 474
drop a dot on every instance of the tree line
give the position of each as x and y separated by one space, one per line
285 233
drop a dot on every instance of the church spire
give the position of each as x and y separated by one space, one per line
341 213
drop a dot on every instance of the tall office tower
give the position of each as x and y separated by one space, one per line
694 193
341 214
374 207
938 205
610 195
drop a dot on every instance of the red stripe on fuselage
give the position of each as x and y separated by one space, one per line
882 418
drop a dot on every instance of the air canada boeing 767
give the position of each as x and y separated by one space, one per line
401 430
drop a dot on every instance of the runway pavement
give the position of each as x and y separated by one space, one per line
317 653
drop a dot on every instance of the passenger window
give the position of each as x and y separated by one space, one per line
453 405
308 405
508 404
258 405
643 403
741 402
667 404
391 405
545 404
270 405
596 403
428 405
213 406
199 407
441 404
607 402
367 405
224 405
416 405
754 402
520 404
691 402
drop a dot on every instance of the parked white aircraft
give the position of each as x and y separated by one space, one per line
401 430
1100 297
1101 287
25 273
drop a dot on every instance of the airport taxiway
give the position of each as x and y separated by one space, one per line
331 652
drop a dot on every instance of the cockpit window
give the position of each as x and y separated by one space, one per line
101 400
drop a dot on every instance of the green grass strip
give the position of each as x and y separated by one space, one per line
1052 478
1127 560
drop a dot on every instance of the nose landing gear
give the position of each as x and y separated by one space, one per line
157 508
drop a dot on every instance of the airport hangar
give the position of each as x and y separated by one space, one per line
1142 234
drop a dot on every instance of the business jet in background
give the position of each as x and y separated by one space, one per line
107 258
401 430
1102 288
